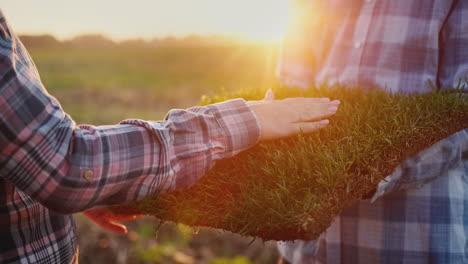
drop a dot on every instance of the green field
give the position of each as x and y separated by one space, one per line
104 84
101 85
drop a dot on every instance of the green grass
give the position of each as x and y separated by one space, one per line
293 188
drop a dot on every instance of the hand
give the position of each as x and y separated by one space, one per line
107 219
282 118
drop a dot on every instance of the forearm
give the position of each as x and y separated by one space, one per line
70 169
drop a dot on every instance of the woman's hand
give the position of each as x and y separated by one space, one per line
277 119
107 219
282 118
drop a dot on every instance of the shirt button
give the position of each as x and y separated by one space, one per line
357 44
88 175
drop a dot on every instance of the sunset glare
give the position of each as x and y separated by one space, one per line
258 20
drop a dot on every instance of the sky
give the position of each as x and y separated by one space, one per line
260 20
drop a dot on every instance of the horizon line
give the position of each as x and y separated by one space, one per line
227 37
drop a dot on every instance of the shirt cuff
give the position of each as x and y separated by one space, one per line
239 124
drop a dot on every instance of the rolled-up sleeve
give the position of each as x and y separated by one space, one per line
70 168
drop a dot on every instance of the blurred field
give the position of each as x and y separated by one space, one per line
106 82
100 82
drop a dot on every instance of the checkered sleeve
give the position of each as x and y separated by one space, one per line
70 168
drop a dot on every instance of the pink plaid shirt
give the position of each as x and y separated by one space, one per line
51 168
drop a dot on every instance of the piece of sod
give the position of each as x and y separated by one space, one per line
293 188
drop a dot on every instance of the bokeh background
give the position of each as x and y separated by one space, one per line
106 61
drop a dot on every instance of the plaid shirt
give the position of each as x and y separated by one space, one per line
51 168
419 213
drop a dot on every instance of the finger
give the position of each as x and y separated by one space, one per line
307 100
106 223
120 217
317 111
318 101
309 127
113 227
269 95
124 218
311 111
112 215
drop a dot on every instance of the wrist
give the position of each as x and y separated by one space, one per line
239 123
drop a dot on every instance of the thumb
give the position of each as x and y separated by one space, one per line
269 95
111 226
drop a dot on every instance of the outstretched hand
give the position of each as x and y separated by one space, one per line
107 219
287 117
277 119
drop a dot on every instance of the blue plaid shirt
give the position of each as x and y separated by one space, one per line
419 213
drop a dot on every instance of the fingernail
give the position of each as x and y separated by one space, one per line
332 108
326 121
325 99
335 102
